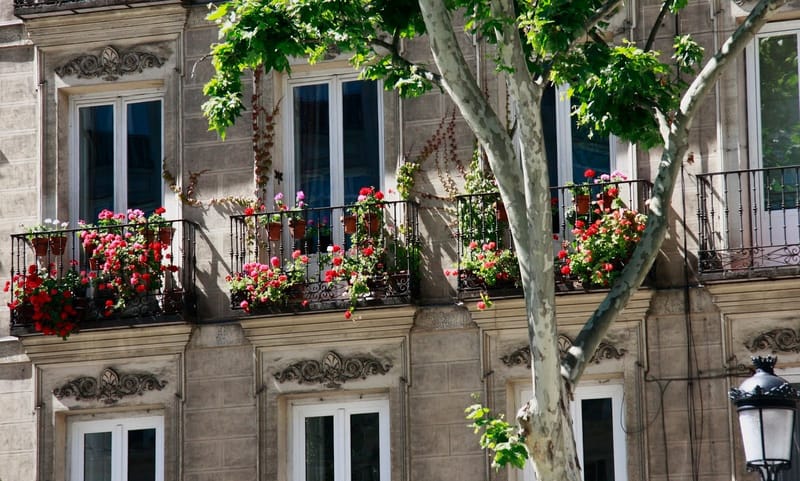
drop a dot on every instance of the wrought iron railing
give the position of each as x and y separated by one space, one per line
749 223
482 219
273 239
116 274
31 8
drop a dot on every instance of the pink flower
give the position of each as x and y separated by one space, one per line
275 262
481 305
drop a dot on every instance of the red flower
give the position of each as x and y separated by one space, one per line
379 195
481 305
348 314
248 211
565 270
159 210
589 173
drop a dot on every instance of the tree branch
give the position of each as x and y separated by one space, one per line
398 59
675 146
656 26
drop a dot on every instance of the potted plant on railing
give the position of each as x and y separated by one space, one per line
488 266
273 223
158 224
297 218
47 236
49 302
267 286
601 248
608 198
362 267
582 193
318 231
126 265
366 213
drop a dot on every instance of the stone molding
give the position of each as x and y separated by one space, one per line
783 339
523 355
333 370
109 387
110 64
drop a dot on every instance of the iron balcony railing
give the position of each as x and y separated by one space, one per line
33 8
118 274
749 223
319 235
482 219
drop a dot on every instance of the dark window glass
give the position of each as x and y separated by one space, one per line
96 152
365 447
319 448
97 456
144 155
142 455
598 439
312 154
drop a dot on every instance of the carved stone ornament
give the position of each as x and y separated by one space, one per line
110 64
781 339
523 355
333 370
110 387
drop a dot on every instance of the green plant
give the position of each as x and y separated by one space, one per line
361 266
49 299
506 441
585 187
601 248
405 178
47 226
263 285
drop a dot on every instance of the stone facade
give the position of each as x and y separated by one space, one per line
228 384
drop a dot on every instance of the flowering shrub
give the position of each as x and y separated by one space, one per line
361 267
262 285
368 211
125 261
47 299
490 263
602 248
281 206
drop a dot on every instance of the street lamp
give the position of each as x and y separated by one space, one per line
766 405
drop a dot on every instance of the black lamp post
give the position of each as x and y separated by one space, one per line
766 405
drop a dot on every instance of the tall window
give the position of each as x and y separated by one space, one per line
118 150
341 442
774 108
129 449
570 148
336 145
599 437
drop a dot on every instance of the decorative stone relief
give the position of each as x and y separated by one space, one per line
523 355
110 387
781 339
110 64
333 370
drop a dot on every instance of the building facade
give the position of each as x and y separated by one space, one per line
172 376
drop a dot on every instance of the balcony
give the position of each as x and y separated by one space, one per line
749 223
102 276
483 225
324 258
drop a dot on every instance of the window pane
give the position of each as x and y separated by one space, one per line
549 128
96 155
142 455
588 153
360 132
97 457
319 448
312 143
598 439
365 456
144 155
780 120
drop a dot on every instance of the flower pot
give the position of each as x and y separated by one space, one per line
149 235
89 248
274 231
298 228
349 222
165 235
373 222
40 245
582 204
501 213
57 245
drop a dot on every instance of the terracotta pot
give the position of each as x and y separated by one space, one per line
89 248
57 245
349 222
165 235
40 245
298 228
501 213
274 231
582 204
373 222
149 235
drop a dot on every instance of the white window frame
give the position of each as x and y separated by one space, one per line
334 80
340 412
118 428
612 390
119 100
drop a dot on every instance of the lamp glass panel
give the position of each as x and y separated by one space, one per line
777 428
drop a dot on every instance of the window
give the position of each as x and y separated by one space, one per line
130 449
336 143
570 148
341 441
117 152
597 412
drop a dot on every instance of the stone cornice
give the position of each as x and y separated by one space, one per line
140 24
522 356
572 309
141 340
327 327
744 298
